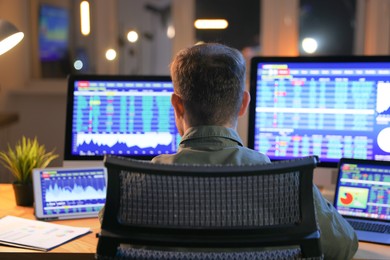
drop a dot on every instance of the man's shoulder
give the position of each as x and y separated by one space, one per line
237 156
250 156
164 159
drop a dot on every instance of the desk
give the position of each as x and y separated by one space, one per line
85 246
81 248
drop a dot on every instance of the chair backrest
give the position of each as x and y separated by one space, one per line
206 210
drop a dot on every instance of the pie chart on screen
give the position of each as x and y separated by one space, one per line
353 197
384 140
347 198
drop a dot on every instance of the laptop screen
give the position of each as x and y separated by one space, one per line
66 192
363 189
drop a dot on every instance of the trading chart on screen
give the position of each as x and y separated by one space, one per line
123 118
329 109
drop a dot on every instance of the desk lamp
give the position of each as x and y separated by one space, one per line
9 36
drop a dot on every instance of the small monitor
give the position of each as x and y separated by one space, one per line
332 107
119 115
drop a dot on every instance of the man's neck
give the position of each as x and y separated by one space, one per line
234 127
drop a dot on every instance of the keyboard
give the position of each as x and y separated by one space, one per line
373 227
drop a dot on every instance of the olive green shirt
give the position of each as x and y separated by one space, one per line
220 145
212 145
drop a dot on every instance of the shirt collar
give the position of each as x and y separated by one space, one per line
210 132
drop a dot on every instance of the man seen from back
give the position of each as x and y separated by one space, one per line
209 96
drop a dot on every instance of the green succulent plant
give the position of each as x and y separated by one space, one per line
24 157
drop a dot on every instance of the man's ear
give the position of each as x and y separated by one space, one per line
245 103
177 104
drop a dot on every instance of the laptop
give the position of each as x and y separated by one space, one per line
69 193
362 197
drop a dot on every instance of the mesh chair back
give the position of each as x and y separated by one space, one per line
198 207
218 202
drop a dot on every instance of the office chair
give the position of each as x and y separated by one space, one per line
160 211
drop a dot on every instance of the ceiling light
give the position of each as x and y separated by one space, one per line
309 45
211 24
84 18
171 32
132 36
110 54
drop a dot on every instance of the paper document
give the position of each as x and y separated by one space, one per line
34 234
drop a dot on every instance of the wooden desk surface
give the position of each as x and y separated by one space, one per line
85 246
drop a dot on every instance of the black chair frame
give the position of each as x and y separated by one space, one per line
304 232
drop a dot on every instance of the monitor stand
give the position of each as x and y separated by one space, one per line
80 164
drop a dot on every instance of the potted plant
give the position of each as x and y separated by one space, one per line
20 161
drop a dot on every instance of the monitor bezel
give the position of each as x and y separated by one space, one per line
68 156
286 59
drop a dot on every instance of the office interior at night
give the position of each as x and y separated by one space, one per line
139 38
33 79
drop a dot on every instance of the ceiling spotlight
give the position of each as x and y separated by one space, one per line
132 36
309 45
78 65
110 54
171 32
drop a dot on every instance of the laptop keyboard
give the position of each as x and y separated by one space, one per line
373 227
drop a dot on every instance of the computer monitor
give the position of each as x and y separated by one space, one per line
119 115
332 107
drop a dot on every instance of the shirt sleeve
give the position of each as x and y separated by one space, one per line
101 214
338 238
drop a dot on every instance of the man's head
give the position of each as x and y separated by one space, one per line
209 86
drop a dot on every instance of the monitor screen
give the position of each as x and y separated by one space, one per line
53 32
119 115
332 107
